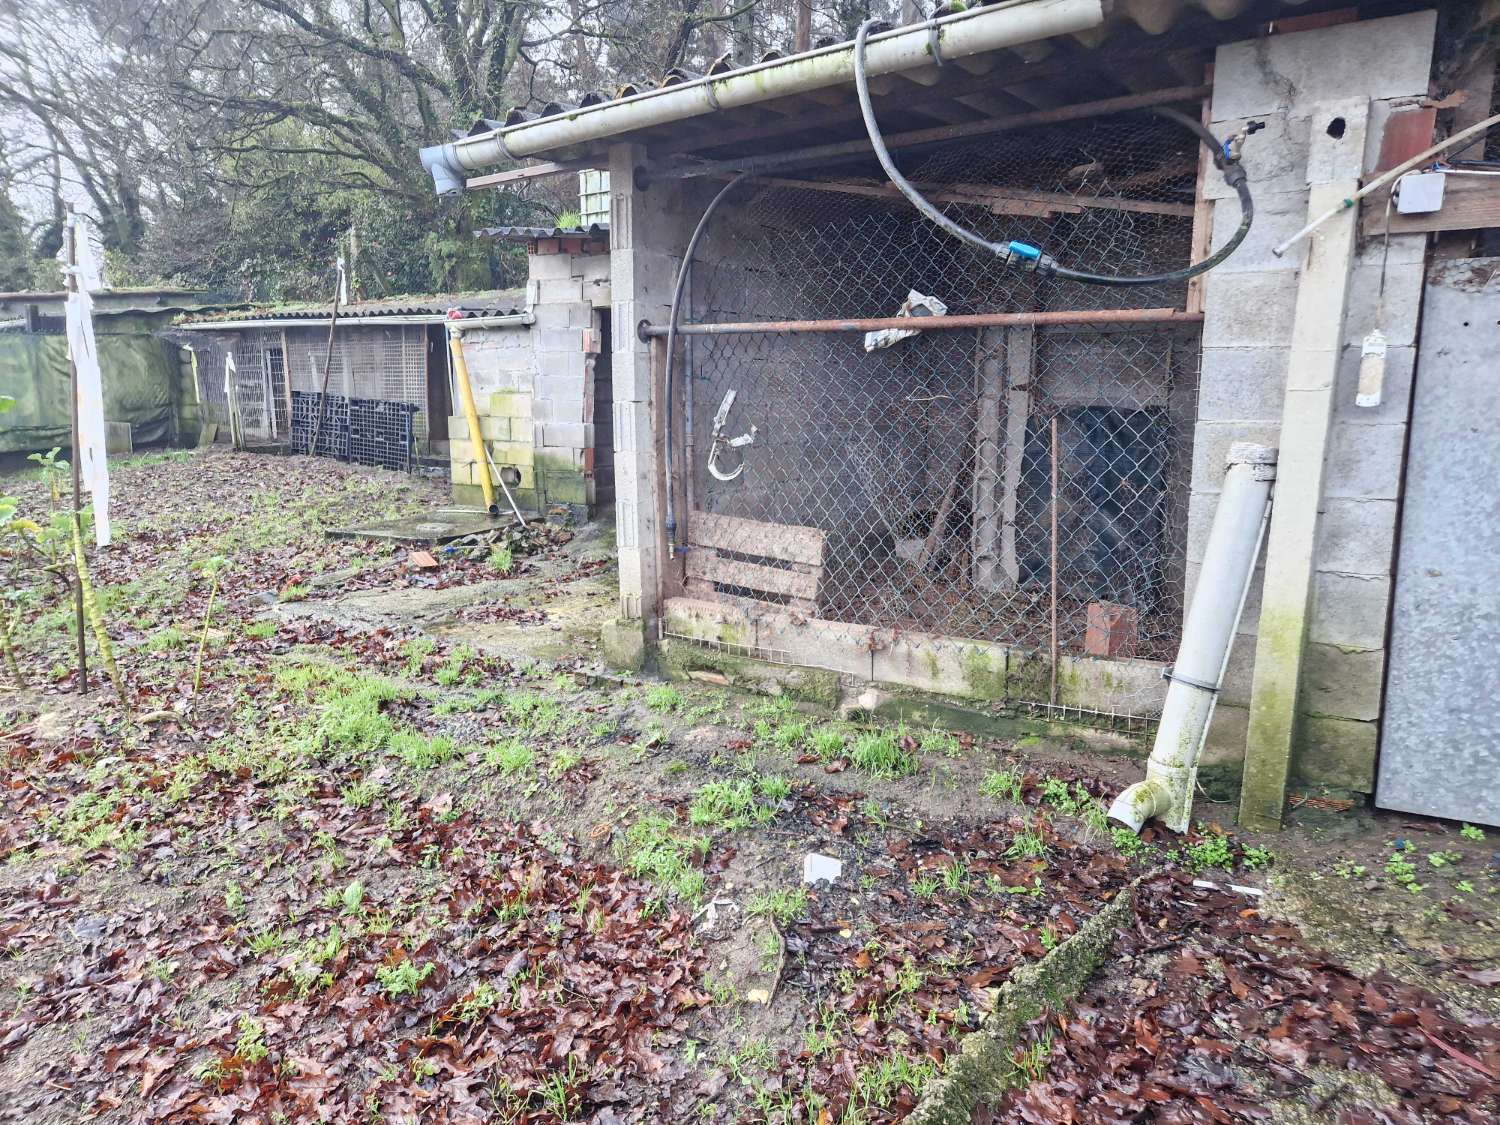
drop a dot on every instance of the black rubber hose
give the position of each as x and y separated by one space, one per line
1031 257
682 273
1234 176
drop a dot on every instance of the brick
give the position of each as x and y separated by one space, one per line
1381 58
1110 630
560 365
510 404
1242 384
543 267
1335 752
559 340
564 488
1395 399
1342 684
562 387
512 453
1211 443
1403 301
1350 610
1356 536
1246 310
1364 460
1226 735
567 435
559 290
494 429
460 450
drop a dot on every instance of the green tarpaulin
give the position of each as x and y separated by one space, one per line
140 381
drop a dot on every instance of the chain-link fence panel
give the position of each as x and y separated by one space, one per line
374 410
969 483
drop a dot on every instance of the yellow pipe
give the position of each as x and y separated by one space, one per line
471 414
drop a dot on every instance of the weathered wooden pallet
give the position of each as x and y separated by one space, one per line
722 551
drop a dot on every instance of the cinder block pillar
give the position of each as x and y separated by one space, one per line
645 246
1335 161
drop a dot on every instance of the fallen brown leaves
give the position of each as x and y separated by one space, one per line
1206 1012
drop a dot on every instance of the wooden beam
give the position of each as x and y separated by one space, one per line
1000 200
1203 209
1469 203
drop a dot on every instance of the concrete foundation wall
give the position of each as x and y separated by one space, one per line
1287 81
533 386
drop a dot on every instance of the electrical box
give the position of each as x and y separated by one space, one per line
1420 194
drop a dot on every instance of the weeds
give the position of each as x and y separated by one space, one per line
402 978
1001 785
781 906
654 850
879 754
509 757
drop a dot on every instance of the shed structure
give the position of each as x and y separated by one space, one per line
1007 503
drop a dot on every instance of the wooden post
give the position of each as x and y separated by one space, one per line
1203 210
70 244
286 386
1020 368
803 40
1335 166
985 535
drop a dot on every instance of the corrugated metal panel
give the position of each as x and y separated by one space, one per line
1440 746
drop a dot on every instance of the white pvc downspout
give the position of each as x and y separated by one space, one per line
1207 636
952 37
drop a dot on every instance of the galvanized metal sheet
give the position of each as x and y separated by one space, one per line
1440 747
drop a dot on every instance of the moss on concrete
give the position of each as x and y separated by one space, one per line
1028 676
678 659
983 1068
624 644
983 671
925 711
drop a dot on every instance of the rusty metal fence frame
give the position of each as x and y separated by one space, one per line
1017 469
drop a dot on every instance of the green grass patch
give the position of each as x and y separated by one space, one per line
879 754
655 850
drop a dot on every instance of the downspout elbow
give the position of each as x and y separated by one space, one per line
1138 803
442 163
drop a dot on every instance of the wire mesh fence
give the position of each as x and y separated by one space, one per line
374 409
971 482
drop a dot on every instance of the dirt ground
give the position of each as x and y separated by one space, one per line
377 840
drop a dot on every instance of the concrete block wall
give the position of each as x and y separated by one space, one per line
1283 81
533 386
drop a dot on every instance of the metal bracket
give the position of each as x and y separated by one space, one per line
721 419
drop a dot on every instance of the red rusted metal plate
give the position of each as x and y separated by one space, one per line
1407 132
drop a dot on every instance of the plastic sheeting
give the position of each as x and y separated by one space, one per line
140 375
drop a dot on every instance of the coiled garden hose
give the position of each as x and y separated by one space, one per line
1028 257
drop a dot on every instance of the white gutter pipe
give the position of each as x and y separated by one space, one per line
952 37
1207 636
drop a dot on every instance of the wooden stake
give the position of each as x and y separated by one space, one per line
312 447
71 280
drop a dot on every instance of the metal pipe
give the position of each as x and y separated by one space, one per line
1081 318
1207 638
952 37
1053 695
471 412
823 154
